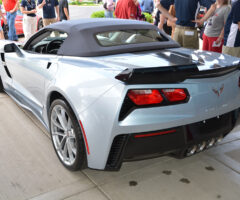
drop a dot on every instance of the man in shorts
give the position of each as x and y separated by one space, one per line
186 33
49 7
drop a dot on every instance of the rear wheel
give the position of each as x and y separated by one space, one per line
66 135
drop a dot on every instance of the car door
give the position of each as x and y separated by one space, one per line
28 74
29 70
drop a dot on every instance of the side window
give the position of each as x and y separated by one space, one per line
48 42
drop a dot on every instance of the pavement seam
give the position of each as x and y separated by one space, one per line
99 188
226 165
233 140
49 191
78 193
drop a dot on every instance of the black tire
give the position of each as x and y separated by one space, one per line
79 145
5 31
40 24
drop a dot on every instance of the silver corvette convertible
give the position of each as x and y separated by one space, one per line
110 91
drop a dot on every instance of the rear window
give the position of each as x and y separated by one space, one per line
123 37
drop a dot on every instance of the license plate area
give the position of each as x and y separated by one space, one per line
220 125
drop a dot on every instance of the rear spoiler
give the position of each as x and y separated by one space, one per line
171 74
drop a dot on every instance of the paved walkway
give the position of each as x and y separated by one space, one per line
29 169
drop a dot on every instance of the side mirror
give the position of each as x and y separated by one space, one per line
9 48
12 47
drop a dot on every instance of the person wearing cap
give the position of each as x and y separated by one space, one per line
186 33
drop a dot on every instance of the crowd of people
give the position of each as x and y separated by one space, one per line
221 21
53 11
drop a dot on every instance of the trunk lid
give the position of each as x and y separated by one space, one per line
171 65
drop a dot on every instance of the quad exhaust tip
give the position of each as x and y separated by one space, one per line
203 145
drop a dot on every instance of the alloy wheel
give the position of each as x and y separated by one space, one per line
63 135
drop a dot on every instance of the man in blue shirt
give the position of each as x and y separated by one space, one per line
232 31
49 15
186 11
147 6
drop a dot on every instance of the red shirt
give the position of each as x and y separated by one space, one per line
126 9
9 4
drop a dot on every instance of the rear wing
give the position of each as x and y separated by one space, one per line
172 74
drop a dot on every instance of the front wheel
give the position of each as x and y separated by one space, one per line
66 136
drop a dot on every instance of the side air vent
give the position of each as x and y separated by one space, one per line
3 57
116 153
7 71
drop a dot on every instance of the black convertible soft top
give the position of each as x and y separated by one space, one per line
81 40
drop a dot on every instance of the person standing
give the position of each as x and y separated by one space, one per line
49 7
4 21
11 7
147 6
63 10
214 30
109 8
186 33
160 20
126 9
172 12
28 8
232 31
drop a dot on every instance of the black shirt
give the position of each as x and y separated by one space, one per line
63 4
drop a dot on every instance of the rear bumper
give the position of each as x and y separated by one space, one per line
176 140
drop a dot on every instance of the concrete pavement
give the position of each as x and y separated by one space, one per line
29 169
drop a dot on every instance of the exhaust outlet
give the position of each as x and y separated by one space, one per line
201 146
210 143
219 139
192 150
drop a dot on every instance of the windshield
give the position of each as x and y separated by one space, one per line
123 37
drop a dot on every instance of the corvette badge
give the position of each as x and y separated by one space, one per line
218 92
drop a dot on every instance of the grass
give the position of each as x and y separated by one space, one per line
84 3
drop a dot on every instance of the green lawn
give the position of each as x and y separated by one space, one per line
84 3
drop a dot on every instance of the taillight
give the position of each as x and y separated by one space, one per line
175 95
141 98
145 97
